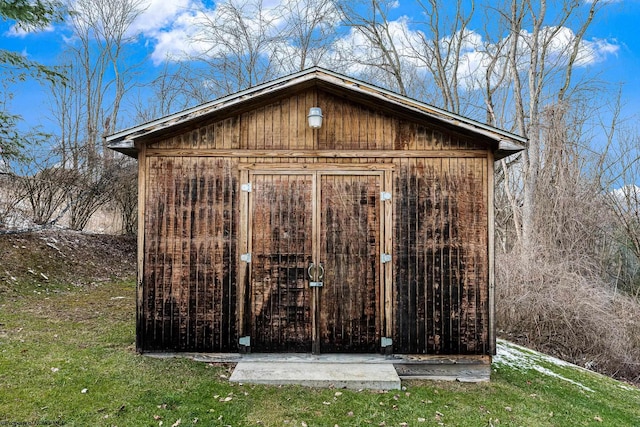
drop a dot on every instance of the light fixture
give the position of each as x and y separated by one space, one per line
315 117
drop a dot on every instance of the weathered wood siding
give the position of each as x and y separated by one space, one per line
441 257
440 270
190 259
282 125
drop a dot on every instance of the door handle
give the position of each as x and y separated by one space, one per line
316 273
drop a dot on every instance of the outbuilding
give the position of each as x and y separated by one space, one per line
318 214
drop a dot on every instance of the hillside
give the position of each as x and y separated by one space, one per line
48 259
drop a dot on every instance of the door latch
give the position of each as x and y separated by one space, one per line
316 273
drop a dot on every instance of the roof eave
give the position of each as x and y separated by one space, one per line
126 147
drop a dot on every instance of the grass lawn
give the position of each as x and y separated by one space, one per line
67 358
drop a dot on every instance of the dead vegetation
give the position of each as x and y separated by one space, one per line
547 304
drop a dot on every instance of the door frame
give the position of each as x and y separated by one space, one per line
248 170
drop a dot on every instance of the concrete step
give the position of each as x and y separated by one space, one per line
376 376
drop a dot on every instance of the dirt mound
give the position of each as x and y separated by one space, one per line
63 257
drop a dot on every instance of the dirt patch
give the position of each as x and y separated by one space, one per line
63 257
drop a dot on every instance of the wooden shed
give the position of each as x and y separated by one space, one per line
372 232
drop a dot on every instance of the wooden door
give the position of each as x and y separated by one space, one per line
281 225
349 242
298 224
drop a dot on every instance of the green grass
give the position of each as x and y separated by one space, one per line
59 341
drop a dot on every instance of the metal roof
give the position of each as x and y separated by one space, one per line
122 141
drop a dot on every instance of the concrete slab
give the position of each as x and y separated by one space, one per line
377 376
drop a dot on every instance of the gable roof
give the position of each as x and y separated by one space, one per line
507 142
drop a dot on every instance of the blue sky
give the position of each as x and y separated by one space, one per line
166 29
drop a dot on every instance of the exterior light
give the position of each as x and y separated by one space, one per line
315 117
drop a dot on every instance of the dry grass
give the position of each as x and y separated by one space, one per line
551 305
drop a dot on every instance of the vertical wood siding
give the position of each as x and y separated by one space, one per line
282 125
189 275
441 268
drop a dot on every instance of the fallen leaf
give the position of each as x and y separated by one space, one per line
177 423
508 409
157 417
338 393
598 419
421 420
303 424
326 403
350 414
54 370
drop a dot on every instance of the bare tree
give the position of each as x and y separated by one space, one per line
101 31
172 90
242 38
440 47
619 173
309 31
125 194
540 71
98 76
380 51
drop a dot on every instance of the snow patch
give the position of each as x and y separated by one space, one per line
522 358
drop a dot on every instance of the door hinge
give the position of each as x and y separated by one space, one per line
246 187
246 257
244 345
385 195
386 345
384 258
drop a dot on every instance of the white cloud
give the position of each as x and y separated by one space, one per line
18 31
596 51
181 30
181 40
161 14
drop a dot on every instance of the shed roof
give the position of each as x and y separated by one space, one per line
123 141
